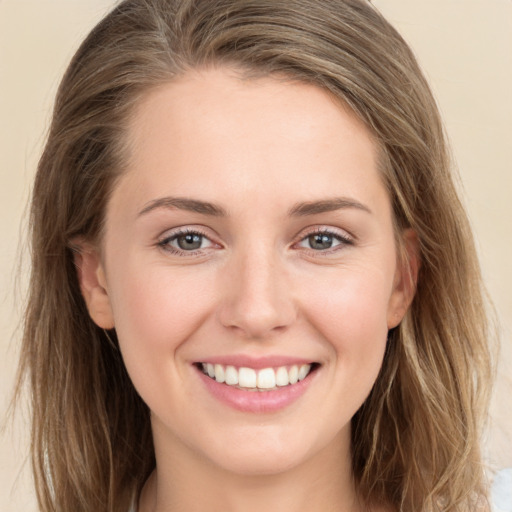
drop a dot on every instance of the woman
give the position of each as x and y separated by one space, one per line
253 282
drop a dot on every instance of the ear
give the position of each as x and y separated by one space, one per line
93 285
406 277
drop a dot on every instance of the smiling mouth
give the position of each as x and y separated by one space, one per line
250 379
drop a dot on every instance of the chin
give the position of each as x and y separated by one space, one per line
260 464
266 452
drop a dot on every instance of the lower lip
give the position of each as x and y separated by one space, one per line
257 401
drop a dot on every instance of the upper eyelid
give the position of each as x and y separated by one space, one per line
338 232
184 230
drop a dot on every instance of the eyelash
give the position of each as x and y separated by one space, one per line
344 240
164 243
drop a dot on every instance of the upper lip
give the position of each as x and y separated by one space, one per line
241 360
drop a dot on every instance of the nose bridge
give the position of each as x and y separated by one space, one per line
257 299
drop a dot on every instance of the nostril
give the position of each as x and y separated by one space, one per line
257 321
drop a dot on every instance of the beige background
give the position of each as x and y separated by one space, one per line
465 47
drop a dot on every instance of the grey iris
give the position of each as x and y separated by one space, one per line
190 242
320 241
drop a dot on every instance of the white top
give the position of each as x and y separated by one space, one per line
501 491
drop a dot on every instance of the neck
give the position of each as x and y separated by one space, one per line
185 482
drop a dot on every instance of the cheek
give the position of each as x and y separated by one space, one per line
350 305
352 320
156 310
347 308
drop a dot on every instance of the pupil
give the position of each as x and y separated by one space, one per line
190 242
320 241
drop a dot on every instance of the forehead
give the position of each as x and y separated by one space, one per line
214 131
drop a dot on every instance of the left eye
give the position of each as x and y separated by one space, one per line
186 242
322 241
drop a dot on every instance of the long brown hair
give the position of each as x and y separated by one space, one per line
415 441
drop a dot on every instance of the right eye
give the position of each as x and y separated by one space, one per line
183 242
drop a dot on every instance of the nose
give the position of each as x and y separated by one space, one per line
257 298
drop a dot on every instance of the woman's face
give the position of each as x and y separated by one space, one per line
251 237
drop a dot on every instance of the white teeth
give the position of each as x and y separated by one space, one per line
264 379
293 374
247 378
219 373
303 371
267 378
282 376
231 376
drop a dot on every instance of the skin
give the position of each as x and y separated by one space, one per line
256 149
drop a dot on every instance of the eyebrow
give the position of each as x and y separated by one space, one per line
183 203
326 205
298 210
